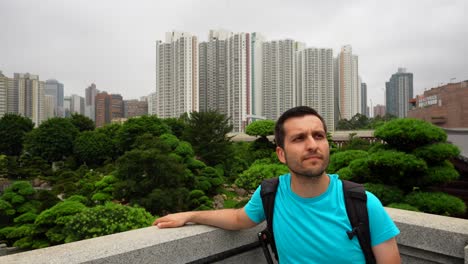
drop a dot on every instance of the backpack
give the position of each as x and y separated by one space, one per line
356 208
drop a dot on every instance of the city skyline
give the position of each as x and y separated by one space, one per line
86 42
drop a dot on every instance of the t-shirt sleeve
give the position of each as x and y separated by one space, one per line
382 227
254 208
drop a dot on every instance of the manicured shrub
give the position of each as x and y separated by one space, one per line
436 203
436 153
343 158
386 194
406 134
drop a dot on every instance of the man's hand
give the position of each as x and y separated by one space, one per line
173 220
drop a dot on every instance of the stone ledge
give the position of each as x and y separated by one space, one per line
146 245
424 238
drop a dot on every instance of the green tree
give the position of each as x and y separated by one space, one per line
207 132
82 123
93 147
146 175
52 140
13 128
177 125
137 126
261 128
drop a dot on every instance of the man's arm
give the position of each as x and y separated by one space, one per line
387 252
230 219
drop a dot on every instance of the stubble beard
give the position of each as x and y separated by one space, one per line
309 174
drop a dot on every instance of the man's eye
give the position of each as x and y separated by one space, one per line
319 136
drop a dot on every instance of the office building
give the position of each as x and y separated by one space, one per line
55 89
90 101
399 91
77 104
364 108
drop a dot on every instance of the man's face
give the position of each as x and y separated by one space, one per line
306 151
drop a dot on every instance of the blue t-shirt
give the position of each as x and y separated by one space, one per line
313 230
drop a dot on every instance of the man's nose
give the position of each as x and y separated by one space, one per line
311 143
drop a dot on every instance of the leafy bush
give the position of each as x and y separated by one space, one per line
345 174
261 128
343 158
436 153
406 134
105 220
251 178
395 168
386 194
440 174
436 203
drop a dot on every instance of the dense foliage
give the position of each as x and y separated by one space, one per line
414 157
13 128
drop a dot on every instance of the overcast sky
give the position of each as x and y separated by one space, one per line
112 43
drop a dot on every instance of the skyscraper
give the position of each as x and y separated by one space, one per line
49 106
239 68
398 91
30 96
364 99
256 80
278 77
177 74
77 104
315 85
152 104
5 83
103 101
213 72
55 89
347 86
90 101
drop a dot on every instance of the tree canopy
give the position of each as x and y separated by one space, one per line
13 128
52 140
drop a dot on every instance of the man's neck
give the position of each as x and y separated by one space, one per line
309 187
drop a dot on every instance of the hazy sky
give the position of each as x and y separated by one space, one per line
112 43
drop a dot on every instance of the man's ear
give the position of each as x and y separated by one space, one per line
280 154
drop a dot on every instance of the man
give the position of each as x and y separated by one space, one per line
310 219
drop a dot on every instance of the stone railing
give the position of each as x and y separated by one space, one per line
424 238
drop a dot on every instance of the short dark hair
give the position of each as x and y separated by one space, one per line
298 111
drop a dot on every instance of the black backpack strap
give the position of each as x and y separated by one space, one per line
356 207
268 194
